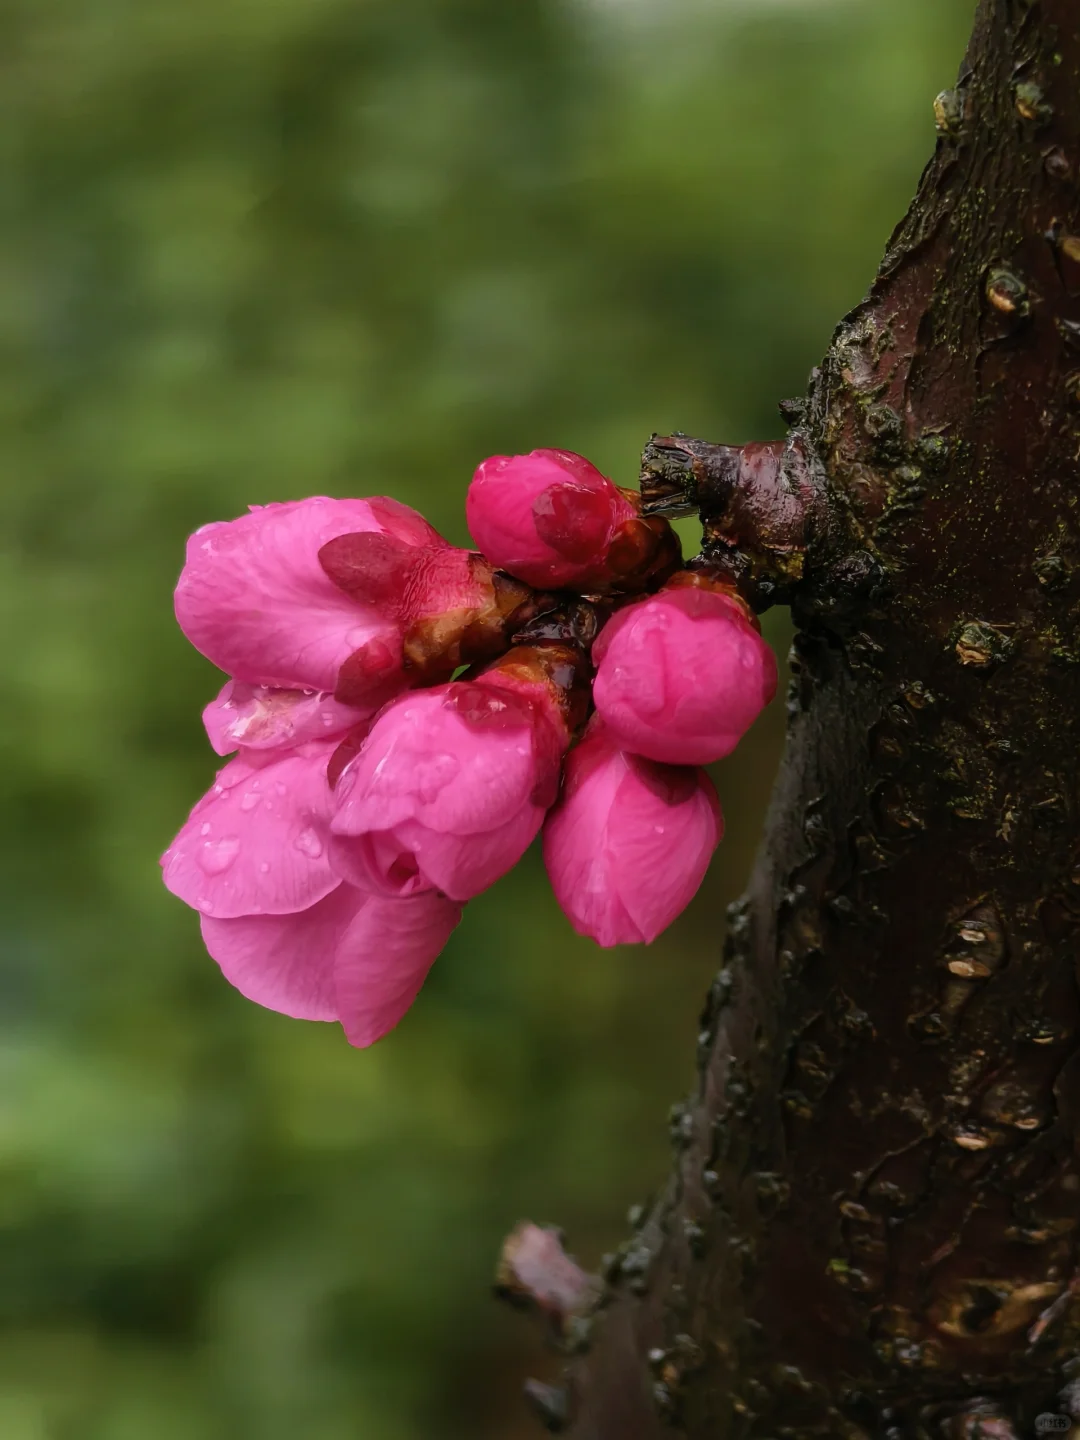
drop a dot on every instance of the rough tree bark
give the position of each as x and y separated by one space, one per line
871 1227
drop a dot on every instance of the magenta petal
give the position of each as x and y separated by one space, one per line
665 832
379 863
256 843
448 790
681 676
255 600
463 866
546 517
630 841
424 761
412 858
383 959
257 717
286 962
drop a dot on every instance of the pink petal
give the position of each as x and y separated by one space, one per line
424 761
257 843
383 959
575 849
255 600
350 957
681 676
402 522
412 858
378 862
286 962
671 843
546 517
257 717
448 790
630 841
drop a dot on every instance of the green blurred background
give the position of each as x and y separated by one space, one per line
258 249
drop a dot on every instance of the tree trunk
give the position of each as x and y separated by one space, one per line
871 1227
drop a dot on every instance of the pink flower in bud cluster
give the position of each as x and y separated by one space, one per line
682 675
449 790
549 517
630 840
372 792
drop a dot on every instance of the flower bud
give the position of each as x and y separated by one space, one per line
449 787
552 519
682 675
629 842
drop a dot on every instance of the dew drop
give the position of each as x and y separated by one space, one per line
249 800
264 868
205 905
309 844
433 776
279 787
204 829
215 856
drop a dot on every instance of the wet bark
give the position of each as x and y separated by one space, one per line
871 1226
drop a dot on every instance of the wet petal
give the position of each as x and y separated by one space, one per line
286 962
258 717
383 959
255 600
257 842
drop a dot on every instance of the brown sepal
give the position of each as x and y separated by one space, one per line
436 645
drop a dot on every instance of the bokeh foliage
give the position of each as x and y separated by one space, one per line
257 249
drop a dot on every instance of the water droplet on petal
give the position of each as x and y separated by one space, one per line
204 829
215 856
264 868
309 844
433 776
280 787
205 905
249 800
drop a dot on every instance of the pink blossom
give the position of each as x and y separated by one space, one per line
629 842
254 598
682 675
449 788
257 842
548 517
254 859
353 957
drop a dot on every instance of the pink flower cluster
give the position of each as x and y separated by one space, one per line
407 716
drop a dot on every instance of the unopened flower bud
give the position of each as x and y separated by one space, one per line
683 674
